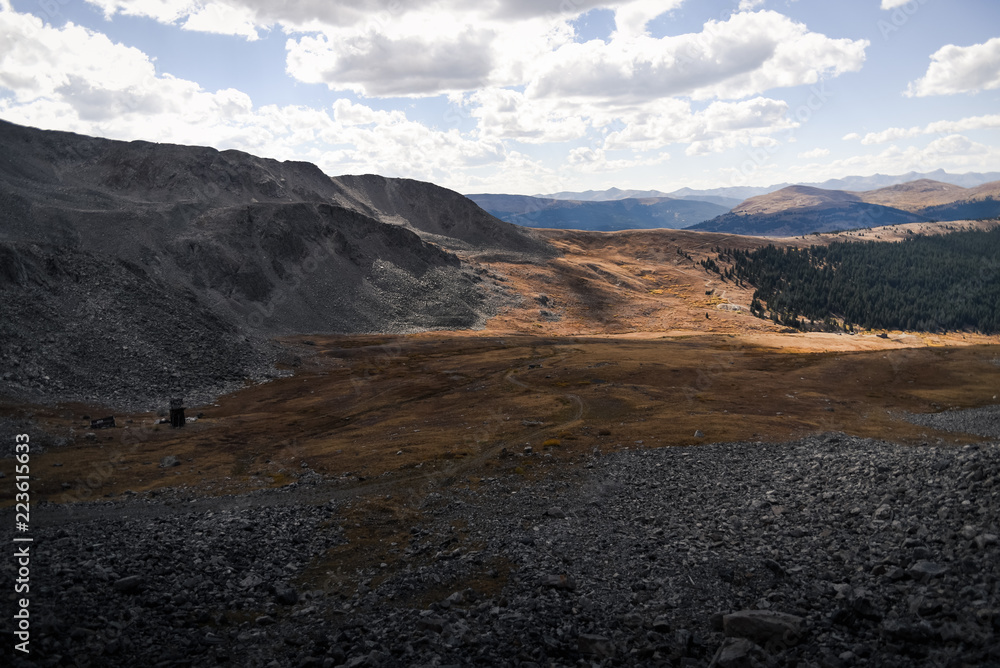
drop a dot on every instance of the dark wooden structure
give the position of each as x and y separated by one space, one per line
177 412
103 423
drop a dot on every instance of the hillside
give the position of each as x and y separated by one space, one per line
436 214
608 215
808 220
915 195
973 204
238 248
926 283
798 210
794 197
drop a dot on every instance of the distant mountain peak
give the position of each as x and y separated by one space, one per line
793 198
803 209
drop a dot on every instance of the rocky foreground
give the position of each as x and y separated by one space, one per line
829 551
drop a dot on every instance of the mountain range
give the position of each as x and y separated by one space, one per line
602 215
797 210
736 194
783 209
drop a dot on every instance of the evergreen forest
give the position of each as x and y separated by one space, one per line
948 282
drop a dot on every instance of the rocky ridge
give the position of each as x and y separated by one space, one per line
156 268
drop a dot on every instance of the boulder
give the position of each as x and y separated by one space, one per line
595 645
763 626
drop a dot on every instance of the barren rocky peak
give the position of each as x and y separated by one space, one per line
435 213
266 247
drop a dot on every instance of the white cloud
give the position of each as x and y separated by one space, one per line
596 160
956 145
720 126
389 143
427 54
631 19
815 153
892 134
892 4
222 19
508 114
413 48
954 153
314 15
991 121
70 78
958 69
964 125
163 11
429 47
747 5
299 14
851 136
112 89
743 56
377 64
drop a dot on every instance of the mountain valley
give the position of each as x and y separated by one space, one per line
417 434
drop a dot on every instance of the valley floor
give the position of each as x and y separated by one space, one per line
503 499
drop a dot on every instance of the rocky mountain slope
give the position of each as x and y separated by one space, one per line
619 214
225 247
437 214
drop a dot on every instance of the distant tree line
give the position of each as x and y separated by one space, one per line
949 282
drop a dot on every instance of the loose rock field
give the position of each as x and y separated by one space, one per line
827 551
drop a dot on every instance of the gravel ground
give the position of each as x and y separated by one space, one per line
828 551
983 421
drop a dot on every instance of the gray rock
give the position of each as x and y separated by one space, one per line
661 541
251 581
925 570
558 582
132 584
986 540
286 595
883 513
435 624
920 632
763 626
595 645
169 461
736 653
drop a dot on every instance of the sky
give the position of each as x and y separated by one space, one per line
525 96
